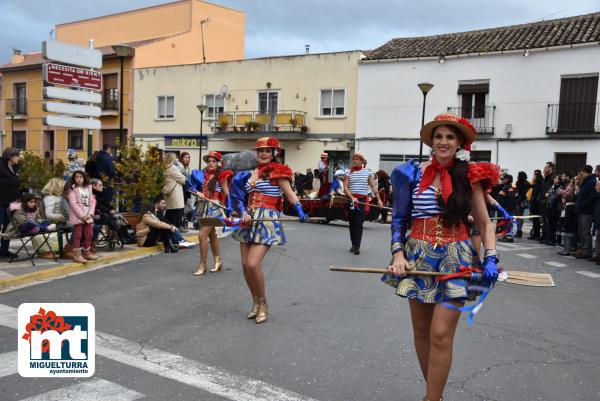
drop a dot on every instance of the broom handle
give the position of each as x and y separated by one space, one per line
535 216
289 219
360 203
381 271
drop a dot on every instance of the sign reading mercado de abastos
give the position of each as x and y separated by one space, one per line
182 142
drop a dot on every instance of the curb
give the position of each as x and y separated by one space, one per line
13 283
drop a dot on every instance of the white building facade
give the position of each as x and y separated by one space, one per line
530 104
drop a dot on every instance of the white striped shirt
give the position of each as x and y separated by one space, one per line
425 203
264 187
358 181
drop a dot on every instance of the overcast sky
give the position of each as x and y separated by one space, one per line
279 27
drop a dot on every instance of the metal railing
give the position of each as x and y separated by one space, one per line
241 121
482 118
16 107
573 118
110 99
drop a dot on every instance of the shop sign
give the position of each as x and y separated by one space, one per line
183 142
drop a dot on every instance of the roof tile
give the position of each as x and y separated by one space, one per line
558 32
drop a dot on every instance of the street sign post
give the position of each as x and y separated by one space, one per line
72 109
71 122
51 92
81 78
71 54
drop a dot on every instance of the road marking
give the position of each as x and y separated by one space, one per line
178 368
589 274
91 390
8 364
556 264
517 247
527 255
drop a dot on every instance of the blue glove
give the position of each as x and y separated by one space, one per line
490 269
505 214
301 215
229 207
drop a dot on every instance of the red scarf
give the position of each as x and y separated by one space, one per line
356 168
430 173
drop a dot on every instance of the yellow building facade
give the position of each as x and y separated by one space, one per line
22 94
307 101
181 32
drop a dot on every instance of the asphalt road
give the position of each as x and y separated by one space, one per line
166 335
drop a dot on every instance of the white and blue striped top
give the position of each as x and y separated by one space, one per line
264 187
358 181
425 203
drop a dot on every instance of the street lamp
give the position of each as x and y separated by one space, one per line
201 108
122 51
425 88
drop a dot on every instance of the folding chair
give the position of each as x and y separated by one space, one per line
28 239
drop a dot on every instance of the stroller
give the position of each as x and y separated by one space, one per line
113 231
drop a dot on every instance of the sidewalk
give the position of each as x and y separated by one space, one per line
21 274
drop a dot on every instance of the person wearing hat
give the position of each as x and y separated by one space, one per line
214 188
356 186
75 163
323 171
438 196
256 194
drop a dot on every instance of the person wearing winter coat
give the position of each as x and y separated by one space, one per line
584 208
173 191
82 205
26 218
10 184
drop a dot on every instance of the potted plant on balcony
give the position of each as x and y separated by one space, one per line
276 128
249 125
304 129
293 122
223 127
235 128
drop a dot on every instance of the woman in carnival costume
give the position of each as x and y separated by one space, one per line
357 185
256 194
439 195
211 185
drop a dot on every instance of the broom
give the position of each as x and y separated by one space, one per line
216 222
514 277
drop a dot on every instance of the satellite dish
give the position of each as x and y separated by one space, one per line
224 91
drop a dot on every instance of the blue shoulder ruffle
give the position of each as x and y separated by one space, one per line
196 180
403 178
237 192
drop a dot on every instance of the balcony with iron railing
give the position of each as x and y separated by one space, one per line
110 100
482 117
16 108
284 124
573 118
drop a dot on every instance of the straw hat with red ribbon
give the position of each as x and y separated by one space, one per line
216 155
462 124
267 142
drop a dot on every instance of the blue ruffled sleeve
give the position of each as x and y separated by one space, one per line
404 178
196 181
237 192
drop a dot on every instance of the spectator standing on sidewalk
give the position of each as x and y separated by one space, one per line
534 203
105 168
173 191
507 197
547 183
523 187
553 207
584 208
10 192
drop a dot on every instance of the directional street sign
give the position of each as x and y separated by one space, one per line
71 122
72 109
51 92
70 54
58 74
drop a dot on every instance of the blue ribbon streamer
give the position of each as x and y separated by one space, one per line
472 309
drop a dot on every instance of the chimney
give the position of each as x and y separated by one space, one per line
307 47
17 57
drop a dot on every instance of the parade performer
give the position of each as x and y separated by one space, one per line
439 195
356 186
324 175
256 194
212 189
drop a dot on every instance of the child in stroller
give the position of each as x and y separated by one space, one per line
116 226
